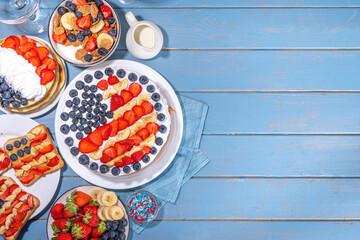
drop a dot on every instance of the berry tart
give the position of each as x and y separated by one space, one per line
114 121
33 155
84 32
31 74
16 207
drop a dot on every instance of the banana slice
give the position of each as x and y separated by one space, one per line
106 213
66 20
99 197
109 198
100 214
94 193
97 27
116 212
104 40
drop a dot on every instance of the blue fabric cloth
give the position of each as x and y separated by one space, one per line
187 162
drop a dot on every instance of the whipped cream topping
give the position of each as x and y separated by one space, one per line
20 75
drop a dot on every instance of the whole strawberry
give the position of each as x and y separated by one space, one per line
61 225
57 211
81 199
64 236
79 216
91 208
80 230
99 230
91 219
70 209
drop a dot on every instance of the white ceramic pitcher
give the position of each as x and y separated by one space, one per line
144 39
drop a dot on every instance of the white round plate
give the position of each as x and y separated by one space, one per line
44 188
165 156
52 104
85 189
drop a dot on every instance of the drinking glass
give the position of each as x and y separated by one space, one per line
127 2
29 15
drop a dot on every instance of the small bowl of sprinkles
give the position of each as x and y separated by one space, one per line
143 207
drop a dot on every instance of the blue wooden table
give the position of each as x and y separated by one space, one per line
282 80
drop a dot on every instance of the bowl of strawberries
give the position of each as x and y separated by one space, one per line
84 32
88 212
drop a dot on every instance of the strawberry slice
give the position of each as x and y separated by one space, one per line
23 208
30 201
103 85
18 166
59 38
49 62
106 11
4 163
122 124
84 22
27 179
105 29
147 150
27 160
2 181
2 219
114 124
35 61
9 43
16 39
108 154
120 163
116 102
86 146
35 143
105 131
127 96
53 162
20 194
11 232
1 151
27 46
23 40
136 139
135 89
13 187
38 156
40 137
42 51
120 148
46 149
36 172
11 207
130 116
152 127
113 80
140 111
95 137
143 133
127 160
128 143
46 76
43 168
79 2
5 194
15 224
40 68
19 217
91 44
137 156
31 53
148 108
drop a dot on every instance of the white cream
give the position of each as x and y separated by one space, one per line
69 52
20 75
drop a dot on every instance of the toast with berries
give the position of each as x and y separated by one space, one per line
5 162
33 155
16 207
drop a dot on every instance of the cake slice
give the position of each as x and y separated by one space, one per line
16 207
33 155
5 163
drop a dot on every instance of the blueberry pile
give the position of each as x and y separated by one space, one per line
9 96
115 230
19 151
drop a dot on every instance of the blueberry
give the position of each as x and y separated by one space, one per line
122 236
101 16
153 150
9 147
81 128
94 19
89 116
85 95
89 109
123 222
92 95
121 73
150 88
12 92
4 86
20 153
102 120
162 129
98 97
73 127
112 234
83 121
16 104
109 71
62 10
97 111
68 3
146 158
132 77
76 100
2 79
69 141
74 151
64 116
80 37
104 168
86 88
7 95
98 3
73 93
86 32
126 169
23 141
88 57
136 166
78 14
121 229
93 88
157 106
102 51
72 7
115 171
143 79
27 149
24 101
87 130
17 144
84 159
5 104
94 166
72 114
96 124
91 102
79 135
18 95
109 114
159 141
13 157
69 103
71 37
112 32
102 113
98 74
155 97
104 106
12 99
88 78
65 129
111 20
105 236
89 123
82 109
161 117
75 108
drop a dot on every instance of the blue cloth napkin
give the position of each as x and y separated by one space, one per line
187 162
